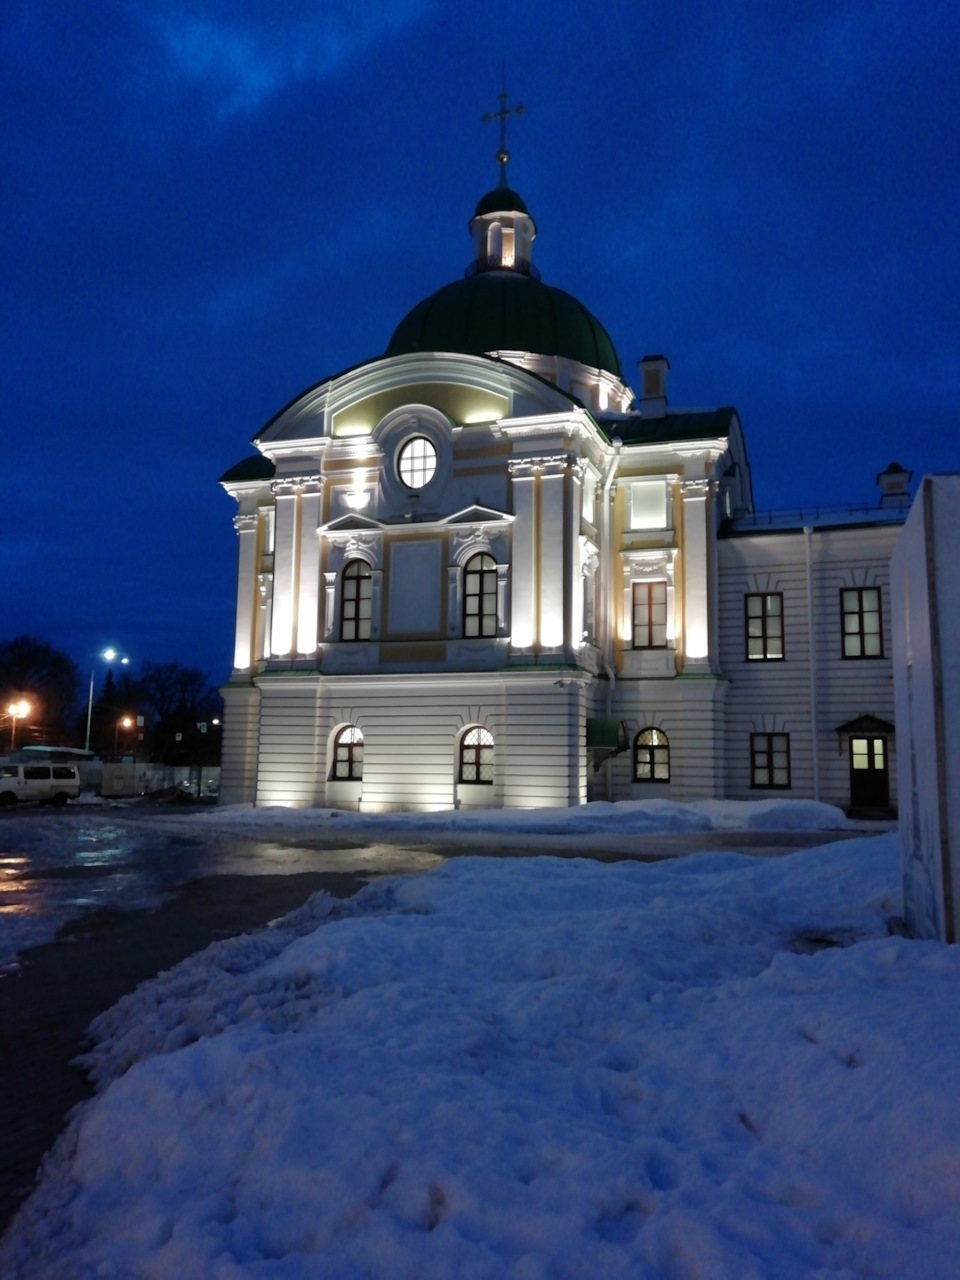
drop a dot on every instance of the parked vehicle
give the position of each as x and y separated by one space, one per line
45 783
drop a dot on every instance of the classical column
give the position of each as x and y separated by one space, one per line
523 572
696 574
553 473
284 568
247 594
308 608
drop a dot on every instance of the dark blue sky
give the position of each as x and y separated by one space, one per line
208 206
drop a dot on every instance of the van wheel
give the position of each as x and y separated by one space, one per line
60 799
7 798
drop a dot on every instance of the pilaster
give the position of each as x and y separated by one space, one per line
247 594
698 650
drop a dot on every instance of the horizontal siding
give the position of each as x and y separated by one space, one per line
238 756
689 713
777 695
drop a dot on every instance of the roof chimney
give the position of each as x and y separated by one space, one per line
894 485
653 386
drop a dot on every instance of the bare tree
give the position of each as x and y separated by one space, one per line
47 678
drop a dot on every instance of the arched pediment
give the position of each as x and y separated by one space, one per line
467 390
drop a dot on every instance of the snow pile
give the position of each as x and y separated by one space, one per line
623 817
531 1068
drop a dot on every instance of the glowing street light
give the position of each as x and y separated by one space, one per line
17 711
108 655
125 722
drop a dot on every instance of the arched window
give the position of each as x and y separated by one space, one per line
356 596
480 596
476 756
651 756
348 755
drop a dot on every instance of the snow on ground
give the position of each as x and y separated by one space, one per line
56 864
528 1068
623 817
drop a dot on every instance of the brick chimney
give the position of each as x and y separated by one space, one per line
653 386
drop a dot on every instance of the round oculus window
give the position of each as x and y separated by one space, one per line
417 462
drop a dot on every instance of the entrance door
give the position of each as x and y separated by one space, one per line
869 777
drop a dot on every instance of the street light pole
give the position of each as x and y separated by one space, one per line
108 655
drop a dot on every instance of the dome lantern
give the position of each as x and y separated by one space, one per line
501 226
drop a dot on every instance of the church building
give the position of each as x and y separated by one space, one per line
482 571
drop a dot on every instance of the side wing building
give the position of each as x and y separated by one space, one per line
479 572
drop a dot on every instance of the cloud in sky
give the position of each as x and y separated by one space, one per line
246 56
210 206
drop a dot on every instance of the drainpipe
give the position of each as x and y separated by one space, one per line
606 580
812 640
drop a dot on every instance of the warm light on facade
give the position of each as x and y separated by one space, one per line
696 646
358 497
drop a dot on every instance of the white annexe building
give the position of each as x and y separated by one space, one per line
479 571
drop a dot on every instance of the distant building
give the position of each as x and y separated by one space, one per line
481 571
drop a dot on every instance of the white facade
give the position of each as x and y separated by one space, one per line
926 578
459 574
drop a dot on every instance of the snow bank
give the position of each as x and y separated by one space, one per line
624 817
531 1068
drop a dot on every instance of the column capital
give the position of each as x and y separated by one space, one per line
290 486
522 468
697 488
245 524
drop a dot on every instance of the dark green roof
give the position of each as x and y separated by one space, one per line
255 468
505 311
500 200
703 424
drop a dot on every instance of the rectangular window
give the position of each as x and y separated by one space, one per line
648 504
770 761
862 629
650 615
764 625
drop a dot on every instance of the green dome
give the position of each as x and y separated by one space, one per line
505 311
500 200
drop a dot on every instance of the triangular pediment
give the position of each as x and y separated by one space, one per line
477 515
352 524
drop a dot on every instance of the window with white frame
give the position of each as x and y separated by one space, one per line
476 756
355 602
417 462
651 756
480 596
650 614
348 755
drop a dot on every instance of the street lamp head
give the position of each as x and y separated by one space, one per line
109 654
19 709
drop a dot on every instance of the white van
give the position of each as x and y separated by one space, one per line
45 783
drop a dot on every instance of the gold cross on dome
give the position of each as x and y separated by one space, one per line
502 154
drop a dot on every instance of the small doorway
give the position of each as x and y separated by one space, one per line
869 773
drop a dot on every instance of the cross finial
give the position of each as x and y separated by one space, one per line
503 154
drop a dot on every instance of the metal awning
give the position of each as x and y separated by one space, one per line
866 726
606 735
